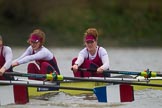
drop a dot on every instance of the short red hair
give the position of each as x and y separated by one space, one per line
39 34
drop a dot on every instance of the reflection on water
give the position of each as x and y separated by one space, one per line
148 98
133 59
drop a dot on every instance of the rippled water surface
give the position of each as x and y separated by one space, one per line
132 59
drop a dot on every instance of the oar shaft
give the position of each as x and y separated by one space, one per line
111 81
159 75
122 72
61 78
51 77
27 83
26 75
143 73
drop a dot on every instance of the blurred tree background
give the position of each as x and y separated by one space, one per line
129 23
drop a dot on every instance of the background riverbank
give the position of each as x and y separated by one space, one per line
120 23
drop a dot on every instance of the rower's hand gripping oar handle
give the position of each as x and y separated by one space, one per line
84 69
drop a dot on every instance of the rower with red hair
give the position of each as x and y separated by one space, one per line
45 61
91 57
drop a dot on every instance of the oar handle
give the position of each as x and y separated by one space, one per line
14 73
85 69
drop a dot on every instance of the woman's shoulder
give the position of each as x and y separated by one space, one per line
29 48
7 47
45 50
102 49
84 50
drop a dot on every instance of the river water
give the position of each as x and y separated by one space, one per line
131 59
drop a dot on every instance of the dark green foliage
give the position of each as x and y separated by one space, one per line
119 22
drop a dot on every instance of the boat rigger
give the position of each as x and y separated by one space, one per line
23 85
115 93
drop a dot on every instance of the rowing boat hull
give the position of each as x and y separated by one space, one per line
33 90
153 81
